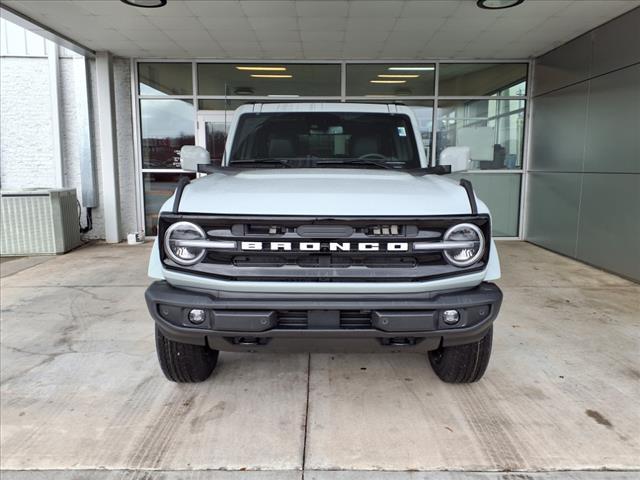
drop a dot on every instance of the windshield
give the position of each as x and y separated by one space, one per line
325 139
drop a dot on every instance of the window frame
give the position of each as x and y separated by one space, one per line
343 97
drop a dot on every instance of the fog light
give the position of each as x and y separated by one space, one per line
450 317
196 316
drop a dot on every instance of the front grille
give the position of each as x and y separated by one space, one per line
348 319
292 319
320 260
327 262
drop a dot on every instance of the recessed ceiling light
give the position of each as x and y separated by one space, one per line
498 4
145 3
271 76
283 96
261 69
399 75
388 81
411 69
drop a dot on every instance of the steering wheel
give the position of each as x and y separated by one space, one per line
378 156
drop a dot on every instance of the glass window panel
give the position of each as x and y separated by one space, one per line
424 116
473 79
492 129
263 80
517 90
167 125
222 104
375 80
214 104
216 137
158 187
501 193
165 79
394 100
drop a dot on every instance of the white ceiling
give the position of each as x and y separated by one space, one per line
322 29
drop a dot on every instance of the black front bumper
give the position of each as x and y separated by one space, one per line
324 322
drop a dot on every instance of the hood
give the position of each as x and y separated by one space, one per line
321 192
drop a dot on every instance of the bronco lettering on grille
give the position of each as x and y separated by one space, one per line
331 246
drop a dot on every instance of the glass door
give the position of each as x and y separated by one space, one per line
213 126
166 125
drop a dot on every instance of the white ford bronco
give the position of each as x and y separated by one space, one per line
324 229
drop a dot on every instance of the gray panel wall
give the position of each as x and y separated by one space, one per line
583 195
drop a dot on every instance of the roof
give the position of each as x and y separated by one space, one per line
324 107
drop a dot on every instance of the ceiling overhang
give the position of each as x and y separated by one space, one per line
314 29
38 28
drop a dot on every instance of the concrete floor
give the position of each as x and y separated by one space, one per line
82 395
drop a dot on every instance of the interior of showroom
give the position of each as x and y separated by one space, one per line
545 94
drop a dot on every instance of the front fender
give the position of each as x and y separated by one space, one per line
493 267
155 266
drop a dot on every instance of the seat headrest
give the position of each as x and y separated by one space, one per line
281 147
364 145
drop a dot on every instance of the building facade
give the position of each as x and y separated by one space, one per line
482 105
539 131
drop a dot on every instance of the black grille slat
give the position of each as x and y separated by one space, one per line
349 319
238 233
355 319
292 319
319 260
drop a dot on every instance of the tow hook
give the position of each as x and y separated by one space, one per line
249 341
398 341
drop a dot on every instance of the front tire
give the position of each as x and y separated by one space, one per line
183 362
462 363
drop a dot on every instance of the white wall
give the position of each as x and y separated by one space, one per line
124 132
26 135
15 41
26 142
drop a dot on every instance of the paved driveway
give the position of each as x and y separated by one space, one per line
82 395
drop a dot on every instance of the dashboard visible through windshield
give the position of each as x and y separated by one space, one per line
325 139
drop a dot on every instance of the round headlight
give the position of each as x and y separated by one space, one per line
473 238
176 243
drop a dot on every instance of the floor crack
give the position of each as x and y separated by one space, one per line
306 418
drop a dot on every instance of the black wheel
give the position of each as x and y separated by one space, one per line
462 363
183 362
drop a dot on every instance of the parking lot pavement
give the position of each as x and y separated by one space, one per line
308 475
82 396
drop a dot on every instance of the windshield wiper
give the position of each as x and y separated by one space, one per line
257 161
434 170
355 161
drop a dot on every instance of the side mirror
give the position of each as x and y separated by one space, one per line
457 157
191 156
